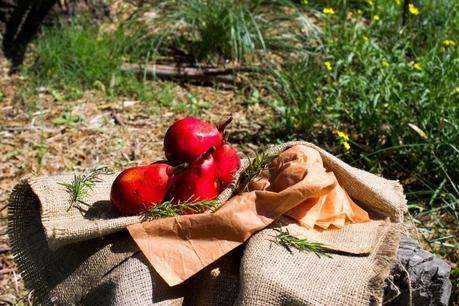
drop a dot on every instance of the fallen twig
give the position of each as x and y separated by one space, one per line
18 129
117 119
224 75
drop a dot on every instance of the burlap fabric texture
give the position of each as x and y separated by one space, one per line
68 257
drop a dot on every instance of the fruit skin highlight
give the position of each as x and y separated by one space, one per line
198 182
137 189
188 138
228 163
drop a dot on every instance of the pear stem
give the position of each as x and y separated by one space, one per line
179 168
206 154
221 127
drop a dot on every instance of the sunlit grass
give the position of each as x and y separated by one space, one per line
74 57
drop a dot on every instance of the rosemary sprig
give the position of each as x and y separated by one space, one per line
199 206
168 209
81 185
162 210
256 165
287 240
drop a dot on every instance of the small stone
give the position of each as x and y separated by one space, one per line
129 103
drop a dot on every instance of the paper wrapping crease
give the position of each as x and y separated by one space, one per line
294 183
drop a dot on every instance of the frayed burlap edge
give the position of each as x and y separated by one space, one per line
21 219
384 255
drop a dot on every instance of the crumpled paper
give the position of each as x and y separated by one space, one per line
295 183
333 209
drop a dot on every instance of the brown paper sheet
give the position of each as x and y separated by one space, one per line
335 209
181 246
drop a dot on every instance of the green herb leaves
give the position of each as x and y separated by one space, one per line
167 209
256 164
81 185
286 240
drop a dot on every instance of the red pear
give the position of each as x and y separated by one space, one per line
198 182
188 138
228 163
137 189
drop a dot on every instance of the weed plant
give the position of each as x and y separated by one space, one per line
220 31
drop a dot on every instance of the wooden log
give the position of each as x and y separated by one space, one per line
224 75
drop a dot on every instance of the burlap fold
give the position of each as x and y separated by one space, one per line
72 258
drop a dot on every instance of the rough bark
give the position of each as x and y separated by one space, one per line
428 276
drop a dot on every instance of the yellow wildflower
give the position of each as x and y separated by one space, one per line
457 89
328 11
449 43
342 135
417 66
398 2
365 38
359 12
376 18
385 63
343 139
413 10
305 2
319 100
370 3
328 66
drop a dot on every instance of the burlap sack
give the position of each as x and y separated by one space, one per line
307 279
71 258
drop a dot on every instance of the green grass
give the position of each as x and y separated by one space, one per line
74 57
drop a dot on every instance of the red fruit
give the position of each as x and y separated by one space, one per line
228 163
198 182
188 138
137 189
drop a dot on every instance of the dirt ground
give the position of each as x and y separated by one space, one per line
115 132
